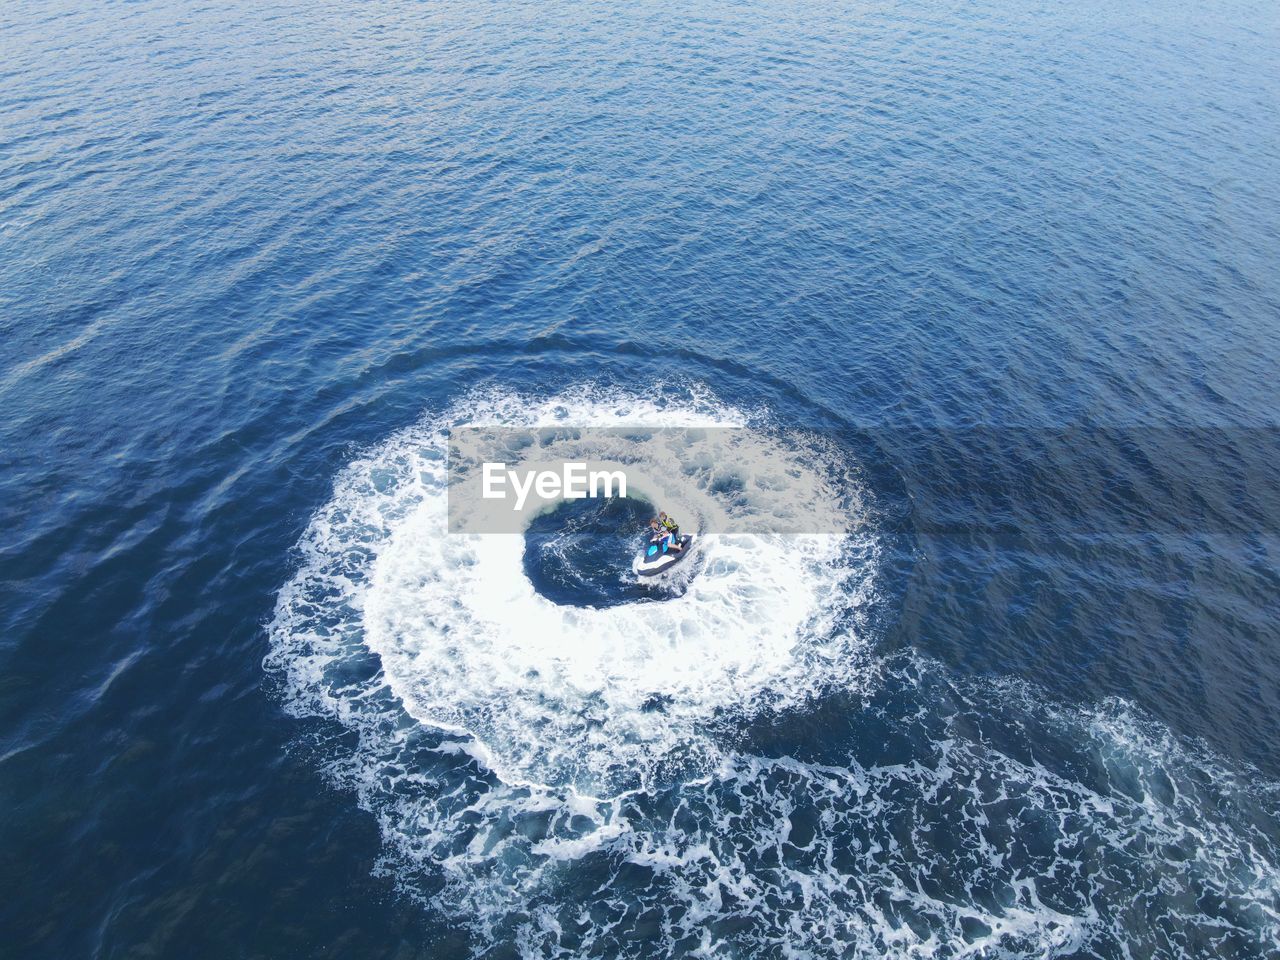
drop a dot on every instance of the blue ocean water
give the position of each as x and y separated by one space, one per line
258 258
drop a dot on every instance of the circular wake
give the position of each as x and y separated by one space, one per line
602 699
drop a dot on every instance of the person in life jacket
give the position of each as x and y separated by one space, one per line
668 530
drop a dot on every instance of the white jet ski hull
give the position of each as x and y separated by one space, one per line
655 560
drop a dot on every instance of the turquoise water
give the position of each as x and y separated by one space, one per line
1002 275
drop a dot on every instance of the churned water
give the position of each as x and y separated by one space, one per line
994 283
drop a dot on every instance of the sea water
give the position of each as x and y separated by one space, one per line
996 281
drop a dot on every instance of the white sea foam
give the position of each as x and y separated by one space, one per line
524 783
556 694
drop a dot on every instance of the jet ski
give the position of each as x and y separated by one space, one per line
657 557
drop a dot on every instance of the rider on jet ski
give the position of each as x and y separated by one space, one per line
663 527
